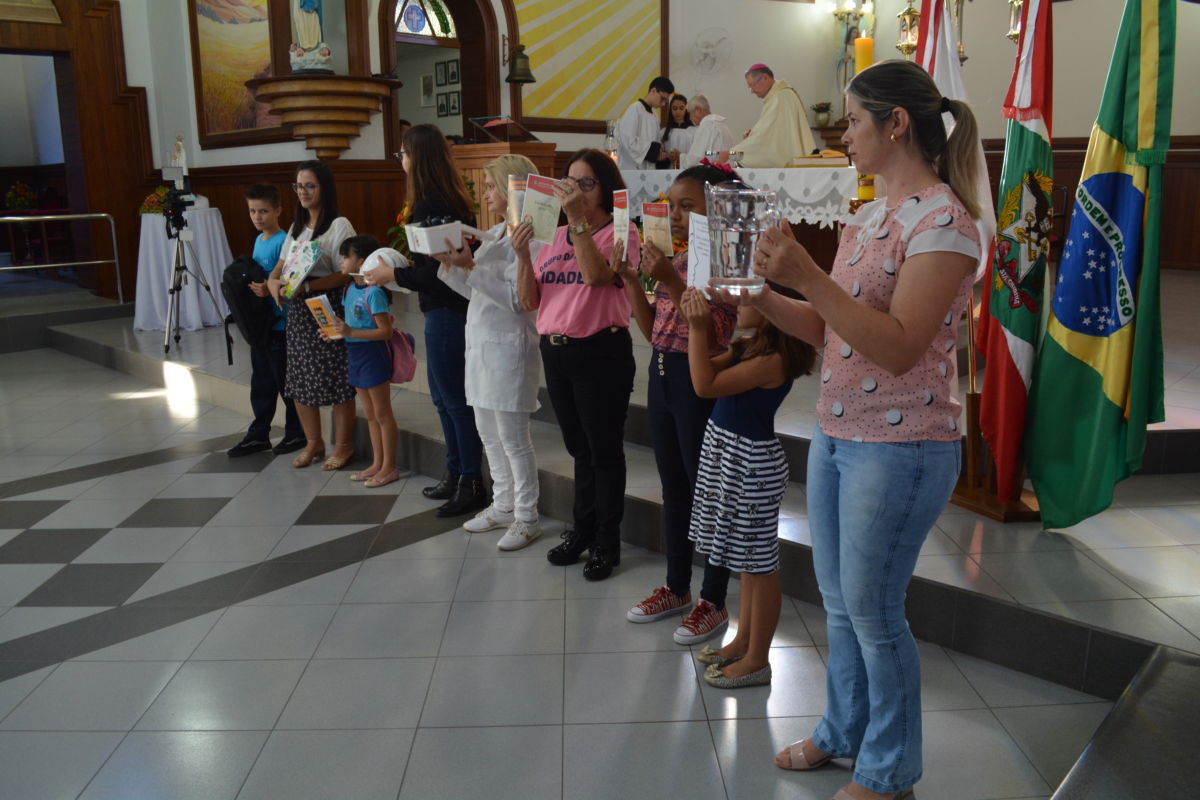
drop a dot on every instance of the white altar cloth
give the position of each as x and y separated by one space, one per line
816 195
155 260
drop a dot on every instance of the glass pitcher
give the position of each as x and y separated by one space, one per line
737 215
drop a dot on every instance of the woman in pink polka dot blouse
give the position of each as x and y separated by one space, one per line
886 451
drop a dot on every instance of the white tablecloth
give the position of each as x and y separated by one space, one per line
155 259
816 195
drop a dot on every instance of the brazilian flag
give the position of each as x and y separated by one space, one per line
1098 380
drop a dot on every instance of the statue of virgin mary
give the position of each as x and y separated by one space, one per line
308 52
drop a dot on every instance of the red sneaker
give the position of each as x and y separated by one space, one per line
705 622
662 602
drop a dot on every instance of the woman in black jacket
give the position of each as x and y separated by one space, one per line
436 191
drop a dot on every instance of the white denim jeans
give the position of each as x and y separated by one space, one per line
509 448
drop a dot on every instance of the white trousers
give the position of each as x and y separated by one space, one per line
509 448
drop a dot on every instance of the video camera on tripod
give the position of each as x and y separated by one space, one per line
178 200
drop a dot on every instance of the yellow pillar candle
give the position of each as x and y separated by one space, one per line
864 53
866 187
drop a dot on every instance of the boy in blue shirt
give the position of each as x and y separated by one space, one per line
268 363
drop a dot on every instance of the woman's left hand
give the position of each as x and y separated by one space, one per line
461 258
656 265
780 258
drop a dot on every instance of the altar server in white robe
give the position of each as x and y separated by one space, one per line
638 146
782 131
711 135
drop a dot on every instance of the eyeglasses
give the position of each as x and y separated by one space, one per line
306 187
586 184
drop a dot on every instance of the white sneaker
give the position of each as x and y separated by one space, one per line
519 534
489 519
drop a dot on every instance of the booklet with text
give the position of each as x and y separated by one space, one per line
541 208
699 246
656 227
621 220
300 261
516 197
322 312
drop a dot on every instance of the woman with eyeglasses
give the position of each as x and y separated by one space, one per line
316 368
587 353
435 191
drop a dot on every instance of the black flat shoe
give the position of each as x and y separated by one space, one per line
443 489
574 545
601 564
247 446
470 497
289 445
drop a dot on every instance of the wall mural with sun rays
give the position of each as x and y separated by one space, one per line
591 59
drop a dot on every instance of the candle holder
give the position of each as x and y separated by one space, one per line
1014 20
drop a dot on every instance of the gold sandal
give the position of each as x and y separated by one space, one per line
304 458
336 462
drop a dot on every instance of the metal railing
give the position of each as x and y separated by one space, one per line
24 222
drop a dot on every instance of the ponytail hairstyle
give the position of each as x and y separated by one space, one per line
329 201
671 123
902 84
707 172
498 169
433 176
799 356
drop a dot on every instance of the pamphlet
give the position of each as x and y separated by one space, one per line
699 246
300 261
322 312
541 208
621 219
516 197
656 227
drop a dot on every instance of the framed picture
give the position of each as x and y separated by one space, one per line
453 104
452 71
443 104
227 52
426 88
439 71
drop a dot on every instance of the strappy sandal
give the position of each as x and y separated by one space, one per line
798 761
336 462
304 458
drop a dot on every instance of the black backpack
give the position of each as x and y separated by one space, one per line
252 314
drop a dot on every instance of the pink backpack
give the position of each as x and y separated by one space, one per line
404 358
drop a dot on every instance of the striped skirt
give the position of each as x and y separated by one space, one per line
735 510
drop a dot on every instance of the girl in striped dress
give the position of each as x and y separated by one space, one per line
742 476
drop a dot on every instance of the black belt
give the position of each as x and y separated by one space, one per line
562 340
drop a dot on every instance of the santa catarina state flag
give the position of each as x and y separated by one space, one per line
1098 379
1010 322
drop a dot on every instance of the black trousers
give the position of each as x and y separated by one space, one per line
589 382
677 418
268 370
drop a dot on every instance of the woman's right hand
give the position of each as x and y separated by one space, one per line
522 236
380 276
274 287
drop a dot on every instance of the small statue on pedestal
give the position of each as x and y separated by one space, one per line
309 53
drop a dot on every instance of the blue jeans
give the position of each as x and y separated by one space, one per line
445 365
870 506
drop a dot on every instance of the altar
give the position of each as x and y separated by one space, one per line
154 271
817 196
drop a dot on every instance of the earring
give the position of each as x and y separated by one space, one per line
892 137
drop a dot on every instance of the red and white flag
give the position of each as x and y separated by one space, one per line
937 52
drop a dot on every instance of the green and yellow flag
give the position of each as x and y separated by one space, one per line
1098 381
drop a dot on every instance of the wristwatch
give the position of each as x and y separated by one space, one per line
578 228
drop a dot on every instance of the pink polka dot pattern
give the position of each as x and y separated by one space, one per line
864 402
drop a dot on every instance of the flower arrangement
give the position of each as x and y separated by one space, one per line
823 107
399 239
153 202
20 195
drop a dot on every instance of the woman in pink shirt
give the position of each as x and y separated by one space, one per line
587 354
886 452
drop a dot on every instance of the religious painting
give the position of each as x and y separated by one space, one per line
439 70
426 91
453 104
452 71
443 104
231 44
582 83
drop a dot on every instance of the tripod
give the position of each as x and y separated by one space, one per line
179 274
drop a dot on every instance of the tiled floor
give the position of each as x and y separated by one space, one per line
176 624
